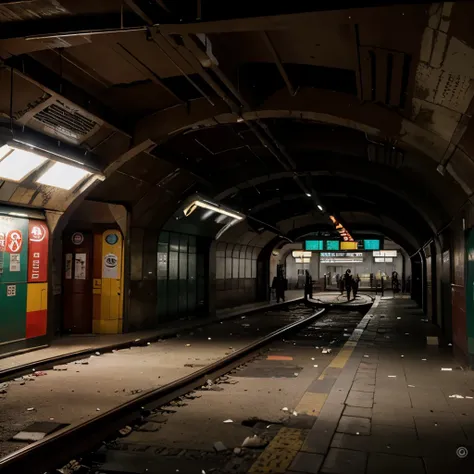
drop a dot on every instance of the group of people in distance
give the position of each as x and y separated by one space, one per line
349 283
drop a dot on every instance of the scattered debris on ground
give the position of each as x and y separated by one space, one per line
60 367
254 441
219 446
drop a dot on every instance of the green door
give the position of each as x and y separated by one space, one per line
13 311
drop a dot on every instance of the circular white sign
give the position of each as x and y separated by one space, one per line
77 238
110 260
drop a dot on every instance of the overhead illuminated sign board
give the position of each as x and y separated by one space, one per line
383 260
341 254
314 245
335 245
302 260
300 254
332 245
373 244
385 253
342 260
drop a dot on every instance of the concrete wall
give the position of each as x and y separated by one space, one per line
295 271
236 274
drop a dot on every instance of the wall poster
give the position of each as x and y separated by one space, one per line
68 266
110 266
80 264
15 265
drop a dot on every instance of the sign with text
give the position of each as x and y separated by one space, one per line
341 254
300 254
38 241
334 245
384 253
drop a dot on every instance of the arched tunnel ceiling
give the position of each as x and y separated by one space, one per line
359 105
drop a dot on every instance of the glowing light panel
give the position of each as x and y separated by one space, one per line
16 164
62 176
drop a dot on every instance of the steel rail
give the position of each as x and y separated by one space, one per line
49 362
61 447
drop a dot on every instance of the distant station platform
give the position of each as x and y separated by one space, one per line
330 299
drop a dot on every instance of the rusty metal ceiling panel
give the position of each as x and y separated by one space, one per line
15 47
384 76
147 168
25 95
217 140
119 188
108 61
31 10
139 98
159 57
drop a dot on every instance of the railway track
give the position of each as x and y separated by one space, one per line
70 443
50 362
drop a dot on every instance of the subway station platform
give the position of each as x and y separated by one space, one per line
330 299
392 400
82 344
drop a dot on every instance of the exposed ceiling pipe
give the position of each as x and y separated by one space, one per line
278 63
269 142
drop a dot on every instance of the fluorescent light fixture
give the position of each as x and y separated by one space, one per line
308 194
18 214
212 207
62 176
320 207
16 164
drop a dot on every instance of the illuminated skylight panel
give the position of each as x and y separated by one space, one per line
16 164
62 176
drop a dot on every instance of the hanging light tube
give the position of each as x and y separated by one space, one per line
212 207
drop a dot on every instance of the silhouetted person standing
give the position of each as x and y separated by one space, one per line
355 285
279 284
308 285
348 283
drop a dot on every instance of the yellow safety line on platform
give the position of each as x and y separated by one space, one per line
311 403
281 451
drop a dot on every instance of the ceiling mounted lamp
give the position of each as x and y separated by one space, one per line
18 160
211 207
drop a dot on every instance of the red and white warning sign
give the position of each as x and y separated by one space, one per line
38 239
14 242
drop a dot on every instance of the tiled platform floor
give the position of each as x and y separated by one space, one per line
392 407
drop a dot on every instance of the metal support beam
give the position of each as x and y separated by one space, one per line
278 63
77 25
132 4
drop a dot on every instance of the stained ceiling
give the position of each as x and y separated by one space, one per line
271 111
